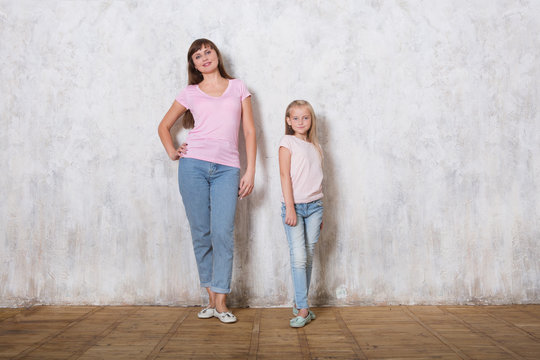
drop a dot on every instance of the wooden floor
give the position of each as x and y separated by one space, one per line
148 332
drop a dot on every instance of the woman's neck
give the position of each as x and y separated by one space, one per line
212 78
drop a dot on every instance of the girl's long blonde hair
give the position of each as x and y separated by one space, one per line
312 132
194 75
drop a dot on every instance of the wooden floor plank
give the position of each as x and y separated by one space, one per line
347 334
172 330
276 338
388 331
472 318
103 334
26 332
519 320
435 333
255 332
153 332
209 338
303 342
9 313
82 335
470 343
504 331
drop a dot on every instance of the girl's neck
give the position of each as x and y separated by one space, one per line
301 137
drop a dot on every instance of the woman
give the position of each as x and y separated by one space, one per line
213 104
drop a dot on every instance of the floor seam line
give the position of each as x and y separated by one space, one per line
167 337
47 339
104 334
255 332
435 333
525 332
303 342
349 335
479 332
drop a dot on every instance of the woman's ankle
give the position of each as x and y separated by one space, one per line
221 303
211 298
221 307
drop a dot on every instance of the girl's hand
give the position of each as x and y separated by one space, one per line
179 153
290 216
246 185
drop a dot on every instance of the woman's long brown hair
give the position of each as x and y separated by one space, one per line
195 76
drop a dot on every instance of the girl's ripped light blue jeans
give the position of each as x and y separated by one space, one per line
302 239
209 192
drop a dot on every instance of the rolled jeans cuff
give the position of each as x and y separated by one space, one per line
220 290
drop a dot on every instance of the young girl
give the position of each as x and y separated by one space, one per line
300 166
213 105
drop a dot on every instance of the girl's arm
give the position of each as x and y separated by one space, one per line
164 130
286 185
248 180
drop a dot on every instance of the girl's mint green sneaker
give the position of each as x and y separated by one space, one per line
295 312
299 321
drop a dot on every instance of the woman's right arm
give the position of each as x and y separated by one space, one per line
164 130
286 185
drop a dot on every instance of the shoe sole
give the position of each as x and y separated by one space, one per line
308 320
205 317
227 322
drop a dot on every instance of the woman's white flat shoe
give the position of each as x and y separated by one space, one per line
226 317
206 313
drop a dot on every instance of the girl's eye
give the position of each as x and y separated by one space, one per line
197 56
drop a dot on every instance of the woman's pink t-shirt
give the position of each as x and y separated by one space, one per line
306 169
214 137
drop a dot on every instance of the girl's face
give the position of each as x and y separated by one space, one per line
300 120
205 60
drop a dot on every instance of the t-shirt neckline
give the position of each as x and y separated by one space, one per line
297 138
216 97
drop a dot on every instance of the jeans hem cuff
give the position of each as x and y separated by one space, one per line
220 290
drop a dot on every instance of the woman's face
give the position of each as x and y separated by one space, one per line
205 59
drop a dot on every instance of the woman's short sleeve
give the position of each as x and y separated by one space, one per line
182 98
244 92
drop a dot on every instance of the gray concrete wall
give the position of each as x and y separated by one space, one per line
429 120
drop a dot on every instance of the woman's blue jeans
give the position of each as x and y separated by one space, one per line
209 193
302 239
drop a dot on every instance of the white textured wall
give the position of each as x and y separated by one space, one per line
429 116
